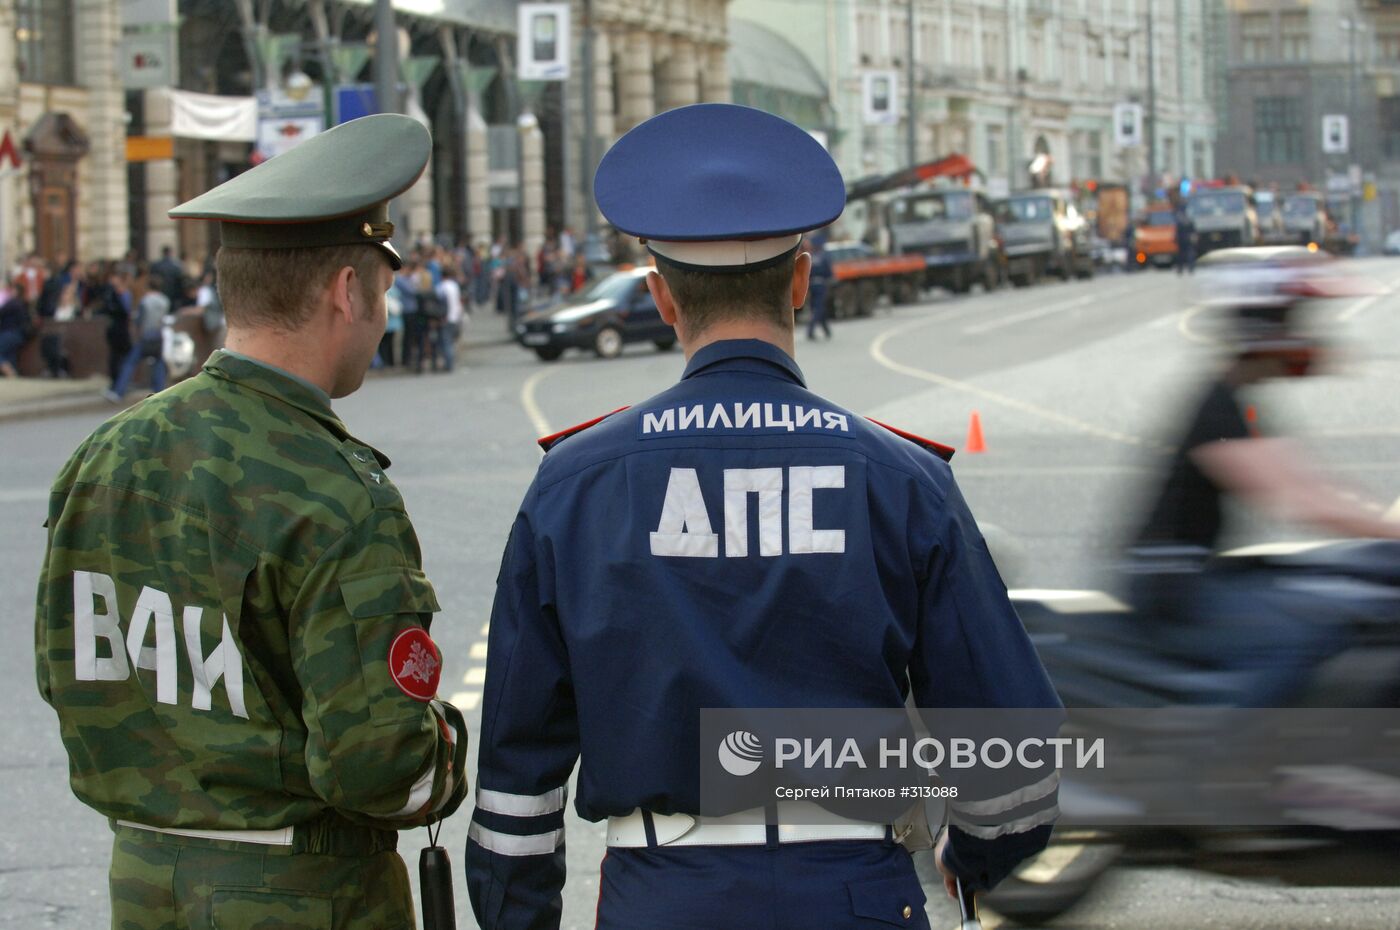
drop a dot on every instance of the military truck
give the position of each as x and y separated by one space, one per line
954 230
1305 218
1042 232
1224 218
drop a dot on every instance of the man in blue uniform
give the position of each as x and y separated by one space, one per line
736 541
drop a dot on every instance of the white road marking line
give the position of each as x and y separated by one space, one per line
478 651
465 700
877 352
474 676
1183 325
1047 866
978 329
1365 303
532 407
486 628
1393 514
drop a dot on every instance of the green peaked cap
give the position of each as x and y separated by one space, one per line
332 189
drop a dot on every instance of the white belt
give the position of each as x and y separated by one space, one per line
746 828
279 837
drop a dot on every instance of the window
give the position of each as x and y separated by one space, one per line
1388 48
1390 127
1198 159
993 53
44 36
1293 29
1278 130
996 151
1256 38
868 36
962 44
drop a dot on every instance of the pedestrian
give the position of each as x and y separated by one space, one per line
1185 240
431 313
817 291
147 338
16 328
581 274
450 329
637 589
393 326
168 276
114 302
232 615
413 324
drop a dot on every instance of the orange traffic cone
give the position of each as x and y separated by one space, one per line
975 442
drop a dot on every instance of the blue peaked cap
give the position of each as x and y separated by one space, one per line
717 171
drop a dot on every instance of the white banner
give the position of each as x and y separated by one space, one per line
208 116
880 98
542 49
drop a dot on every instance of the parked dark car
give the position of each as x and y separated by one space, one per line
613 312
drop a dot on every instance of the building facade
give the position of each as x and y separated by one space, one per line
1006 80
61 104
1292 65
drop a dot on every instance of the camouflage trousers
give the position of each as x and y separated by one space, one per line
340 878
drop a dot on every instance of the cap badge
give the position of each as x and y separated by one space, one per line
377 230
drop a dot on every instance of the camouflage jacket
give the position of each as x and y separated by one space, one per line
232 613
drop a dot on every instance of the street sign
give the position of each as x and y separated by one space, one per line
1335 134
542 46
9 152
1127 125
881 93
148 59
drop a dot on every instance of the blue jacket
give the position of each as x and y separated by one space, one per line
735 541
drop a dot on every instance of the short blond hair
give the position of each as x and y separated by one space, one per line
277 288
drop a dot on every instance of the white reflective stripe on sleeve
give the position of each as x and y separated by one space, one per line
418 795
522 805
984 832
1006 802
539 844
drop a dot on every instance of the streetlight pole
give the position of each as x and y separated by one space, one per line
1353 27
913 93
591 246
386 78
1151 101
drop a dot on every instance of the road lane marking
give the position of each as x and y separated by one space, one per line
1365 303
474 676
1188 332
465 701
478 651
877 352
1393 514
532 407
979 328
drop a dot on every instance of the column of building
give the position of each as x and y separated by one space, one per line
11 183
102 196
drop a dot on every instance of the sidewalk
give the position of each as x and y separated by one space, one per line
29 398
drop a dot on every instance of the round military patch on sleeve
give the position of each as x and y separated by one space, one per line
415 664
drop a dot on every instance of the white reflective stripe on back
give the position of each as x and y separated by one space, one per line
507 844
1005 802
982 832
418 795
521 805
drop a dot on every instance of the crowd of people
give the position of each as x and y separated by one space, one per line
434 296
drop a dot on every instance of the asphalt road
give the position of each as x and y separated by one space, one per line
1076 385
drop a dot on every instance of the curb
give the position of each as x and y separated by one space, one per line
57 406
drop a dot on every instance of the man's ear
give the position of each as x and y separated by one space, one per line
801 276
344 292
661 293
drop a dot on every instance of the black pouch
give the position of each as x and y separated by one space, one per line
435 884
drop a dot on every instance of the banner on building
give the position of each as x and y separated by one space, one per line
209 116
288 117
542 49
1127 125
1336 136
148 50
879 98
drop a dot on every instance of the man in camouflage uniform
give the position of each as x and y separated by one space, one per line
232 614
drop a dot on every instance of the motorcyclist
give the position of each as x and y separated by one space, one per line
1245 622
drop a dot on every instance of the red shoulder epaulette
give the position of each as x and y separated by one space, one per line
937 448
547 442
